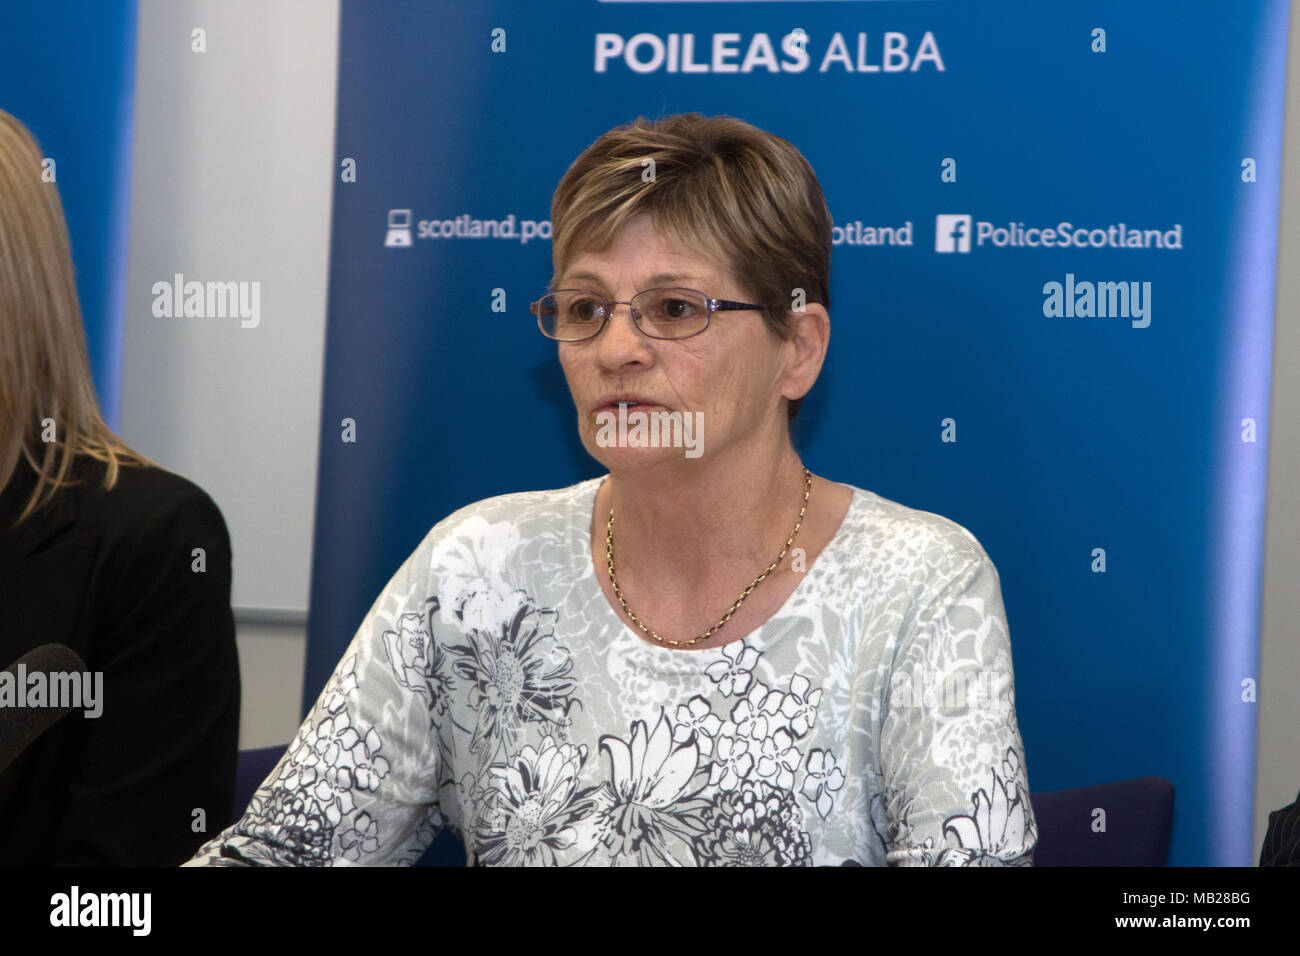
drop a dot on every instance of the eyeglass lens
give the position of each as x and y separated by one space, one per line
663 313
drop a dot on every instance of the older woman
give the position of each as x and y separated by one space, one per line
709 656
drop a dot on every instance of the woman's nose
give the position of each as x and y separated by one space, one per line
621 334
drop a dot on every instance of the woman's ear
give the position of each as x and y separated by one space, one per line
809 340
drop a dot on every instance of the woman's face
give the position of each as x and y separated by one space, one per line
732 372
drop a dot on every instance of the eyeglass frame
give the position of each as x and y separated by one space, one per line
714 305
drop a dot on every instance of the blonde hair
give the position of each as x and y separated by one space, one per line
44 368
745 197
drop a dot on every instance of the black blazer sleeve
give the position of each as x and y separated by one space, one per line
154 778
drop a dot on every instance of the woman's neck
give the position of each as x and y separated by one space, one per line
681 525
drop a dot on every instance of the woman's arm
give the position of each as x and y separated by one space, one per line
953 764
358 783
158 763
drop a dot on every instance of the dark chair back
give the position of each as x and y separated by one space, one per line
1138 817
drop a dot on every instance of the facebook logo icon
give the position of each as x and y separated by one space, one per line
951 233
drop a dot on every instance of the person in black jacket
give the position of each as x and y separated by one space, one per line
1282 839
111 555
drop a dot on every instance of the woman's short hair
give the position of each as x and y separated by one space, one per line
746 198
44 368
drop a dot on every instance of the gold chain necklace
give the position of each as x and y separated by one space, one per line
609 555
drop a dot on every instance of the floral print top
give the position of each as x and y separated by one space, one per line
492 689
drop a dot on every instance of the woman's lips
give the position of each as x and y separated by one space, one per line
630 408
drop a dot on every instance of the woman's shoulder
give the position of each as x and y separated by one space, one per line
502 522
479 556
515 507
142 494
149 511
885 532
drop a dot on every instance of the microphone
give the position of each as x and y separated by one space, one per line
21 725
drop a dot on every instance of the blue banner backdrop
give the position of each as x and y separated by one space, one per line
67 71
1110 454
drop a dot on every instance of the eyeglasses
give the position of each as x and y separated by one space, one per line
572 315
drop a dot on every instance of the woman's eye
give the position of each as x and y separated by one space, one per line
584 310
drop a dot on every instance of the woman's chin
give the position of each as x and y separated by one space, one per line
632 459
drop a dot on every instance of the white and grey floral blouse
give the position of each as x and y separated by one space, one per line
493 690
